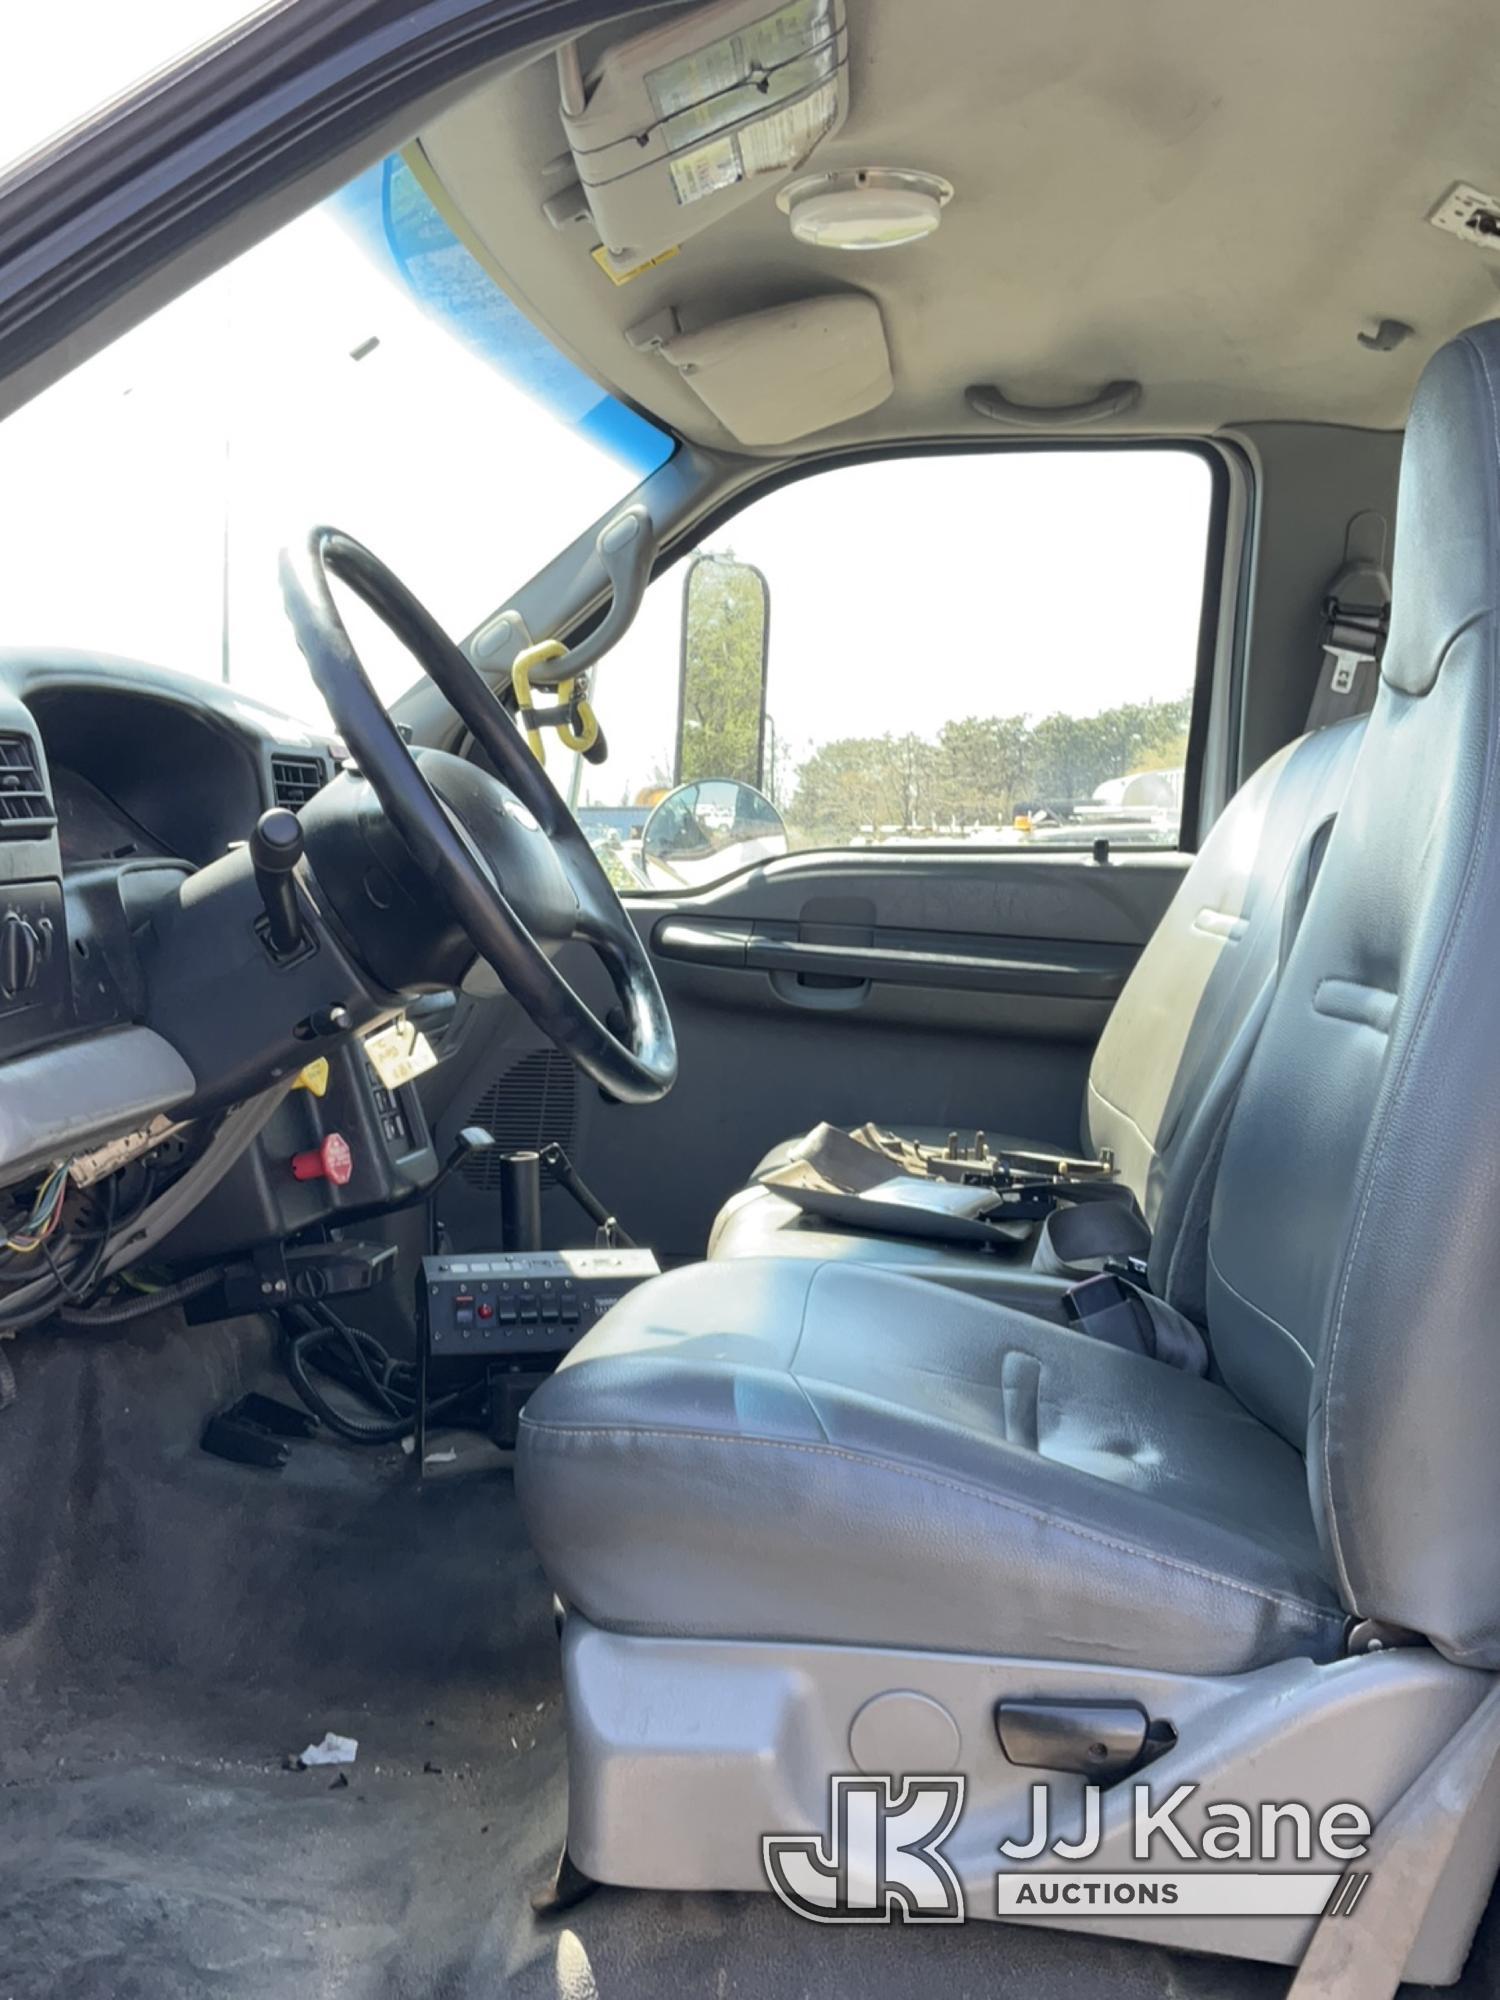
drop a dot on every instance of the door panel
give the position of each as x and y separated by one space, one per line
947 989
804 971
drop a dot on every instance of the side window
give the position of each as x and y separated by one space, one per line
978 649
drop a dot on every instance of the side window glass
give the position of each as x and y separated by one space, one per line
978 649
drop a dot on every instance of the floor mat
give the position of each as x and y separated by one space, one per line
172 1627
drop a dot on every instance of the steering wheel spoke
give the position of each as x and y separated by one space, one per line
514 868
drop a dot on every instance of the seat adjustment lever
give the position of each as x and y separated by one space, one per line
1101 1739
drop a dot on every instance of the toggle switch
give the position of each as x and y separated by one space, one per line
314 1078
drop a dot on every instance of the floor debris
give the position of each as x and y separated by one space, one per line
332 1750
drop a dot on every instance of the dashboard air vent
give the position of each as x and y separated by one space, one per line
25 808
295 780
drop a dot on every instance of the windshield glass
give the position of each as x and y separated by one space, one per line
360 368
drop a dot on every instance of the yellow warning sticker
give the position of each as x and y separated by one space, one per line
618 277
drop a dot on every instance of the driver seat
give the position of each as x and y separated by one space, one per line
811 1515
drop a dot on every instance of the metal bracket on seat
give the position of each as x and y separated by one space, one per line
567 1888
1373 1635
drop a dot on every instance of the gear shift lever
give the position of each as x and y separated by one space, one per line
275 850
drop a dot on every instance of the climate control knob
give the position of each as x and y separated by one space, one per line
20 956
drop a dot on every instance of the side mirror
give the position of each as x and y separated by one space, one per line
721 699
705 831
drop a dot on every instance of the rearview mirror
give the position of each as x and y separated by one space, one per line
721 703
702 832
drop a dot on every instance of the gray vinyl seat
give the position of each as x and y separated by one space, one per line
1173 1050
828 1452
801 1449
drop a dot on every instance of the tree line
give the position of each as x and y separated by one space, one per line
979 771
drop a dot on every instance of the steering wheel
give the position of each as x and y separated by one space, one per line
534 858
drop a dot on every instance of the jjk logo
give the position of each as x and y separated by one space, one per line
882 1858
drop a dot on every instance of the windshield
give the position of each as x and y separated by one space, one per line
360 368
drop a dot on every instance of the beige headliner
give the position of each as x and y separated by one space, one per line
1214 196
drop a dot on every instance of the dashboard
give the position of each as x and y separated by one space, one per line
110 774
127 792
143 761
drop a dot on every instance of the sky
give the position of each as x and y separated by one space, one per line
242 405
913 592
903 594
64 59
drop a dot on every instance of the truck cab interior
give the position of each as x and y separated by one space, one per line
749 866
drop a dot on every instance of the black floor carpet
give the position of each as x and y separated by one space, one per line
171 1627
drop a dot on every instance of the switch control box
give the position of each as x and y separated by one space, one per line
523 1302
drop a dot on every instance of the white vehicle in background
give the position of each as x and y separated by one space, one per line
1135 811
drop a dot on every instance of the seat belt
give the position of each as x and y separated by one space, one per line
1356 614
1075 1240
1122 1313
1115 1303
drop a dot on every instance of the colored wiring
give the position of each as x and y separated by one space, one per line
71 1248
75 1285
45 1214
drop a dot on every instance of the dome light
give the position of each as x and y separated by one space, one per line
865 208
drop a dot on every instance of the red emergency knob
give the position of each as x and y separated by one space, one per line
332 1161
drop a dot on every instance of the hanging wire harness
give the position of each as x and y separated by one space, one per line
53 1260
62 1243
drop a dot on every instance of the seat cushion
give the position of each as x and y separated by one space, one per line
824 1452
758 1222
928 1135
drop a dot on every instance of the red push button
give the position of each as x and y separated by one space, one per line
486 1311
332 1161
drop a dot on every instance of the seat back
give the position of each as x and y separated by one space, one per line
1177 1041
1354 1248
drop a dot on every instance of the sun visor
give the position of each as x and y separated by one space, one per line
782 373
680 124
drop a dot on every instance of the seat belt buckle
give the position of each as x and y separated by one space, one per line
1092 1296
1134 1270
1109 1308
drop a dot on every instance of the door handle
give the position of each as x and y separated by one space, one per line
1082 974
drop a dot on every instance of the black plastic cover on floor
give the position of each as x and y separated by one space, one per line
171 1626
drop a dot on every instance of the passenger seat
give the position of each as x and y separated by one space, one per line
1168 1064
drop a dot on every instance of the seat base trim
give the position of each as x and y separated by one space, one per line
684 1753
